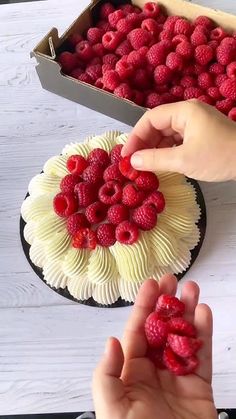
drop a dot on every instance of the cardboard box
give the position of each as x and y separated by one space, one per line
52 79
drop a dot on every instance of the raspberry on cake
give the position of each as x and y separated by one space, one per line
100 228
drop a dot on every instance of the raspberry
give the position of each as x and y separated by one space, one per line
214 93
157 53
177 365
167 98
152 100
203 54
156 330
106 10
124 48
84 51
76 222
204 21
105 25
94 71
111 40
229 41
76 164
162 74
218 34
183 346
76 73
198 69
174 61
96 212
95 61
65 204
138 97
85 78
106 235
110 59
151 9
182 26
220 79
84 239
198 38
74 39
99 49
177 92
157 200
126 169
164 35
169 306
124 91
112 172
147 181
110 193
93 174
99 83
111 80
125 26
107 67
131 197
140 79
139 38
225 54
169 24
151 26
115 154
135 19
94 35
182 327
178 39
127 232
135 59
117 213
192 92
231 70
124 69
185 49
156 356
68 62
228 89
68 183
216 68
99 156
205 99
86 194
224 105
232 114
205 81
213 44
114 17
145 217
188 81
128 8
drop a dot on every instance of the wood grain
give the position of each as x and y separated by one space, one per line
49 345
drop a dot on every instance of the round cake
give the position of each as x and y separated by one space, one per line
100 228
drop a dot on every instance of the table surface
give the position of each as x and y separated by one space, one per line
49 346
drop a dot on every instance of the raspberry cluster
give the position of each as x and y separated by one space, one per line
172 340
150 58
105 200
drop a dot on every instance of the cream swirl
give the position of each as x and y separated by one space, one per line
128 289
34 208
37 253
80 288
181 196
159 271
58 245
44 184
50 225
180 264
29 231
56 166
101 141
76 262
180 222
54 275
163 245
122 139
102 266
170 179
106 293
76 148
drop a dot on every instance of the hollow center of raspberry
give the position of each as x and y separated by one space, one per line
110 191
108 38
126 235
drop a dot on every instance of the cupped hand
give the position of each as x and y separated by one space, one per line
204 139
126 383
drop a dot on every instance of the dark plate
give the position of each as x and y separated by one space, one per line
122 303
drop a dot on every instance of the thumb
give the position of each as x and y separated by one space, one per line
159 159
107 385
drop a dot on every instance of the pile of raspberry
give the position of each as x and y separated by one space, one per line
172 340
105 200
150 58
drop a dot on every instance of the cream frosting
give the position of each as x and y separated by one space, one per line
29 231
80 288
37 253
54 275
49 225
76 262
43 184
56 166
102 266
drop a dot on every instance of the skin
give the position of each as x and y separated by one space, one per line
205 142
127 385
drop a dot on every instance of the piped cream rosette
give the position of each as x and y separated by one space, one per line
108 273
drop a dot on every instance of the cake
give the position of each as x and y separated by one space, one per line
115 263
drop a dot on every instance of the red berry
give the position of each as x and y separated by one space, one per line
151 9
124 48
123 91
198 38
135 59
126 169
106 10
76 73
178 39
156 330
138 97
76 164
84 50
68 183
205 99
139 38
115 154
94 35
157 53
232 114
65 204
177 365
192 92
124 69
217 68
98 156
165 35
68 61
94 71
86 194
169 24
111 40
229 41
203 54
218 34
104 24
228 89
125 26
114 17
147 181
110 59
214 93
127 232
75 222
135 19
156 356
182 26
111 80
156 199
162 74
152 100
132 197
182 327
112 172
204 21
177 92
231 70
225 54
145 217
170 306
188 81
167 98
220 78
151 26
205 81
99 83
141 79
93 174
183 346
84 239
99 49
110 193
174 61
107 67
224 105
185 50
85 78
117 213
74 39
96 212
106 235
129 8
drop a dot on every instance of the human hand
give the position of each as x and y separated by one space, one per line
205 139
126 383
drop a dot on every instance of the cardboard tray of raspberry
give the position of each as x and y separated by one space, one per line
121 303
54 80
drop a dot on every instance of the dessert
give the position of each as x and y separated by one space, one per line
100 228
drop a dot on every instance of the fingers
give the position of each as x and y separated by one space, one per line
204 324
168 284
107 386
189 296
162 159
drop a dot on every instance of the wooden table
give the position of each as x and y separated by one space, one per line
49 346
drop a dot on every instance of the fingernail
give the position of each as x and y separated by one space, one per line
137 161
